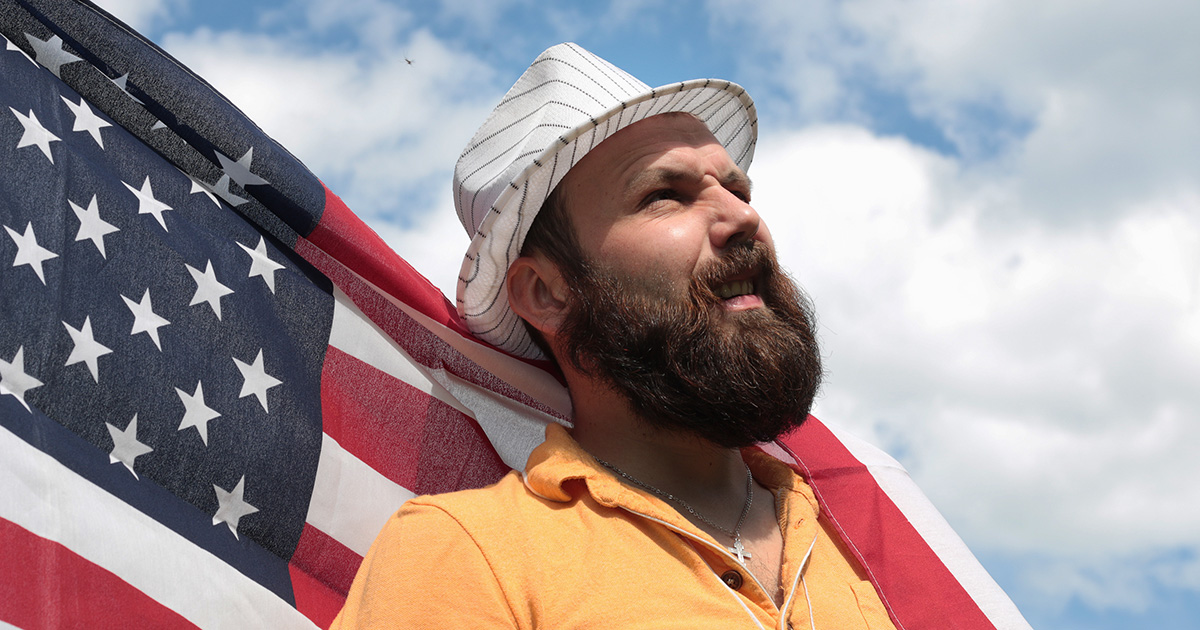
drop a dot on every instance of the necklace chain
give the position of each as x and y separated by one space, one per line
735 533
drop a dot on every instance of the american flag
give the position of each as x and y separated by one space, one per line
216 383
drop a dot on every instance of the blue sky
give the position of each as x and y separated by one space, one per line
995 206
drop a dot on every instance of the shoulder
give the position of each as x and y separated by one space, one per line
429 558
498 515
503 499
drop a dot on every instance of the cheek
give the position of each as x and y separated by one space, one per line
673 249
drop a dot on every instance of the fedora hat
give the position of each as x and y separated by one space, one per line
564 105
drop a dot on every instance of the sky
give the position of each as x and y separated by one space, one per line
994 205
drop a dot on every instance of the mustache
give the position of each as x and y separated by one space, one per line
753 260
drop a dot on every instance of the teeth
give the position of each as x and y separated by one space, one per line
731 289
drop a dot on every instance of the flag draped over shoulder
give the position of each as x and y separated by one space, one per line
216 383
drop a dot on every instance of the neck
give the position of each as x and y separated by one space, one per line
696 470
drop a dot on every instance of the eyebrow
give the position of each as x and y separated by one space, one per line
656 176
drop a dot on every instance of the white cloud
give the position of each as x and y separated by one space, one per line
1084 106
370 124
1037 382
798 47
378 24
1112 121
141 15
483 16
434 245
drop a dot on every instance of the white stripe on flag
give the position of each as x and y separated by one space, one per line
513 429
52 501
925 518
532 381
352 333
351 501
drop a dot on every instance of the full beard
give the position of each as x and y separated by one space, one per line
688 365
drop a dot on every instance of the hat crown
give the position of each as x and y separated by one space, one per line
565 87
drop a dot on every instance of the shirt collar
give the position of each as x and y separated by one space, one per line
558 466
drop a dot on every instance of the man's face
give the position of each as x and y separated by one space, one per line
680 305
663 196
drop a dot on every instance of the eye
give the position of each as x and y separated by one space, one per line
740 193
662 194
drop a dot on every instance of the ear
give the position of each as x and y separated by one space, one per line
537 293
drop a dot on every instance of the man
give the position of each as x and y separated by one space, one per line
650 280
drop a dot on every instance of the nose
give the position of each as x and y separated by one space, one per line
735 222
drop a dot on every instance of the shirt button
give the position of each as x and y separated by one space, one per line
732 579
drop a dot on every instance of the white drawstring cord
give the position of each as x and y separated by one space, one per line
812 624
783 614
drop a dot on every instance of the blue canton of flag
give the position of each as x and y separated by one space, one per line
154 324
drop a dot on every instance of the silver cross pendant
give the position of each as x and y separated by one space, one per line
738 550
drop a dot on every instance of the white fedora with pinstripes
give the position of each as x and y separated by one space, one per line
567 102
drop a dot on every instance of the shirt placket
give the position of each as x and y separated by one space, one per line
741 581
800 528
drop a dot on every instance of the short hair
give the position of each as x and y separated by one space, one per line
553 236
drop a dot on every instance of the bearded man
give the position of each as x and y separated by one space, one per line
613 233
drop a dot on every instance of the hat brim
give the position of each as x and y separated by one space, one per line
482 298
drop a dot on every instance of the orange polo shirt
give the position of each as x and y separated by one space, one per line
568 546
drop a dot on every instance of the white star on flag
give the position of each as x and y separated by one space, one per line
207 288
13 379
50 53
231 507
200 187
144 318
91 226
126 447
121 83
239 171
255 379
9 45
87 349
35 134
222 190
195 412
261 264
29 252
147 204
86 119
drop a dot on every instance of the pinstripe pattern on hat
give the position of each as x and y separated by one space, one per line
565 104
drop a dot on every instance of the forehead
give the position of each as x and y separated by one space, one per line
675 142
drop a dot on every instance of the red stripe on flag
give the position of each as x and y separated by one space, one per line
421 343
320 554
315 600
406 434
917 588
46 585
341 237
346 238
